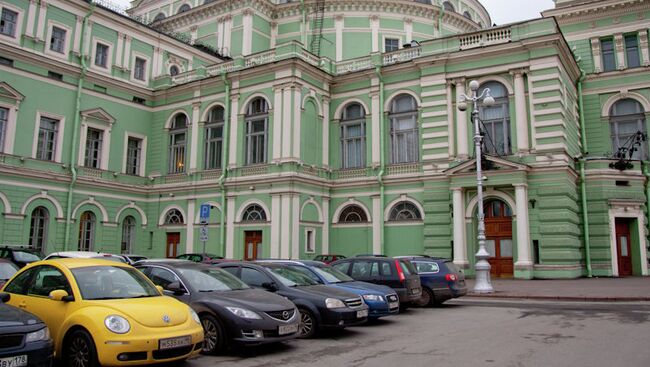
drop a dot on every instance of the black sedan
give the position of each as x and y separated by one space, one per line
24 338
20 256
230 311
7 270
320 306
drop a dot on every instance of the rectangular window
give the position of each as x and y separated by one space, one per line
54 75
140 69
609 59
213 146
632 51
47 134
8 22
133 156
177 152
101 55
4 118
256 141
353 145
391 44
405 142
6 61
57 41
310 243
94 139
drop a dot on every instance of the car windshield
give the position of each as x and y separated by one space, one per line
332 275
112 282
212 280
7 270
26 257
290 277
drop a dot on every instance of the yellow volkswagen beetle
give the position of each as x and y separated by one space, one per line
105 313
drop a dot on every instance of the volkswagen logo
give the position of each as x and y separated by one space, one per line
166 319
285 315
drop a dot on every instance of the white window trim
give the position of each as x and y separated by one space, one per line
48 40
10 129
307 230
147 68
106 142
391 36
109 61
19 23
143 151
58 150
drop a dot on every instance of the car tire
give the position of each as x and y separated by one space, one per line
79 350
308 324
427 299
215 337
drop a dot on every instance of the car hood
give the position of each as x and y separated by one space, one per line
254 299
327 291
364 288
13 316
160 311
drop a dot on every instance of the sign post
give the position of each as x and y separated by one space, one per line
203 230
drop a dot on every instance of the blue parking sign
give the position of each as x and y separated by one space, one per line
205 213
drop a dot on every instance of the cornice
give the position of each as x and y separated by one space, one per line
596 10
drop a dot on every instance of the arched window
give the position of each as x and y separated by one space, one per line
626 118
174 216
184 8
159 17
254 213
257 121
128 235
177 143
38 228
404 211
405 144
87 224
467 15
353 214
353 136
496 209
448 6
214 138
174 70
496 120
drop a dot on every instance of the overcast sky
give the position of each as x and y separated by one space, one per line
502 11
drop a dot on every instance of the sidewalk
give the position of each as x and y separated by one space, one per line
633 289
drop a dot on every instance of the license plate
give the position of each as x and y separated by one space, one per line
16 361
362 314
415 291
170 343
393 304
287 329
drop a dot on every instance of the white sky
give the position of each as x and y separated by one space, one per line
502 11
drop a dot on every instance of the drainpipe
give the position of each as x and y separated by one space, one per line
583 179
75 128
646 173
224 168
382 158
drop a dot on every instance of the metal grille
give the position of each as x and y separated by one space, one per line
392 298
10 341
354 302
283 315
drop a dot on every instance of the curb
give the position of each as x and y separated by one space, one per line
561 298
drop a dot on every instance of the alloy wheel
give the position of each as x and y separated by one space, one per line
79 352
306 323
211 335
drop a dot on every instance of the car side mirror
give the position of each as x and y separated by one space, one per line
61 295
176 288
270 286
5 297
160 289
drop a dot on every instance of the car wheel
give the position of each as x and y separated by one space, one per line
307 327
215 338
426 299
80 350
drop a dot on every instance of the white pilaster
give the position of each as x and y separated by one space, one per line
247 39
234 114
408 29
376 111
76 42
194 133
338 27
285 233
461 123
523 229
227 31
326 134
325 246
619 47
596 55
451 130
40 26
119 49
194 34
374 28
286 122
219 34
127 52
521 112
31 19
460 245
189 243
277 124
377 217
10 137
87 37
230 227
295 122
276 219
295 226
643 45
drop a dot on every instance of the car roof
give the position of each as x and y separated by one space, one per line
80 254
73 263
163 261
423 257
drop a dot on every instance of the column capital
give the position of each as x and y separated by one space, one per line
520 185
518 72
408 20
374 17
248 12
456 189
196 105
325 99
338 17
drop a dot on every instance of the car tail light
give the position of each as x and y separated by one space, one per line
400 273
451 277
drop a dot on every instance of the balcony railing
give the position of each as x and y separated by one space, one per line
402 55
402 169
349 173
487 38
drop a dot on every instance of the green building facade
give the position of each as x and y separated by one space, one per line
326 127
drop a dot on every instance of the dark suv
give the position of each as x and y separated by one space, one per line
20 256
398 274
441 279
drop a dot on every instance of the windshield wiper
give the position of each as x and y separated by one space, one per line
141 296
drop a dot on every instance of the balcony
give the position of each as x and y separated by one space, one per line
487 38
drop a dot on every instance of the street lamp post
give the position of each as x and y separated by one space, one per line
482 267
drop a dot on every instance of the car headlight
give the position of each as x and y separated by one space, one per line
43 334
195 316
117 324
334 303
244 313
373 297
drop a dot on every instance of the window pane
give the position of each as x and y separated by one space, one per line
632 51
505 246
101 55
609 61
8 22
489 247
57 42
47 134
133 155
93 148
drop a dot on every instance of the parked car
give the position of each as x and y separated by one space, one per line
199 258
105 313
381 300
320 306
24 338
7 270
230 311
440 278
398 274
85 255
20 256
132 259
328 258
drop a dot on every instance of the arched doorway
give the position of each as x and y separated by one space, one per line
498 233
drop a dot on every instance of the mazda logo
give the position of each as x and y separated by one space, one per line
285 315
166 319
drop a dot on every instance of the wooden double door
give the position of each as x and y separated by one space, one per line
173 240
623 248
498 233
252 245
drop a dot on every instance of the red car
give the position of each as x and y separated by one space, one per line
328 258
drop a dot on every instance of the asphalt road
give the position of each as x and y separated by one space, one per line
472 333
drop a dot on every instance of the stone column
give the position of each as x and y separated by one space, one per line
194 136
234 122
375 121
326 132
523 228
275 225
247 39
189 237
377 217
230 227
286 122
295 121
374 27
277 123
338 26
295 226
461 123
460 245
285 226
325 246
521 112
